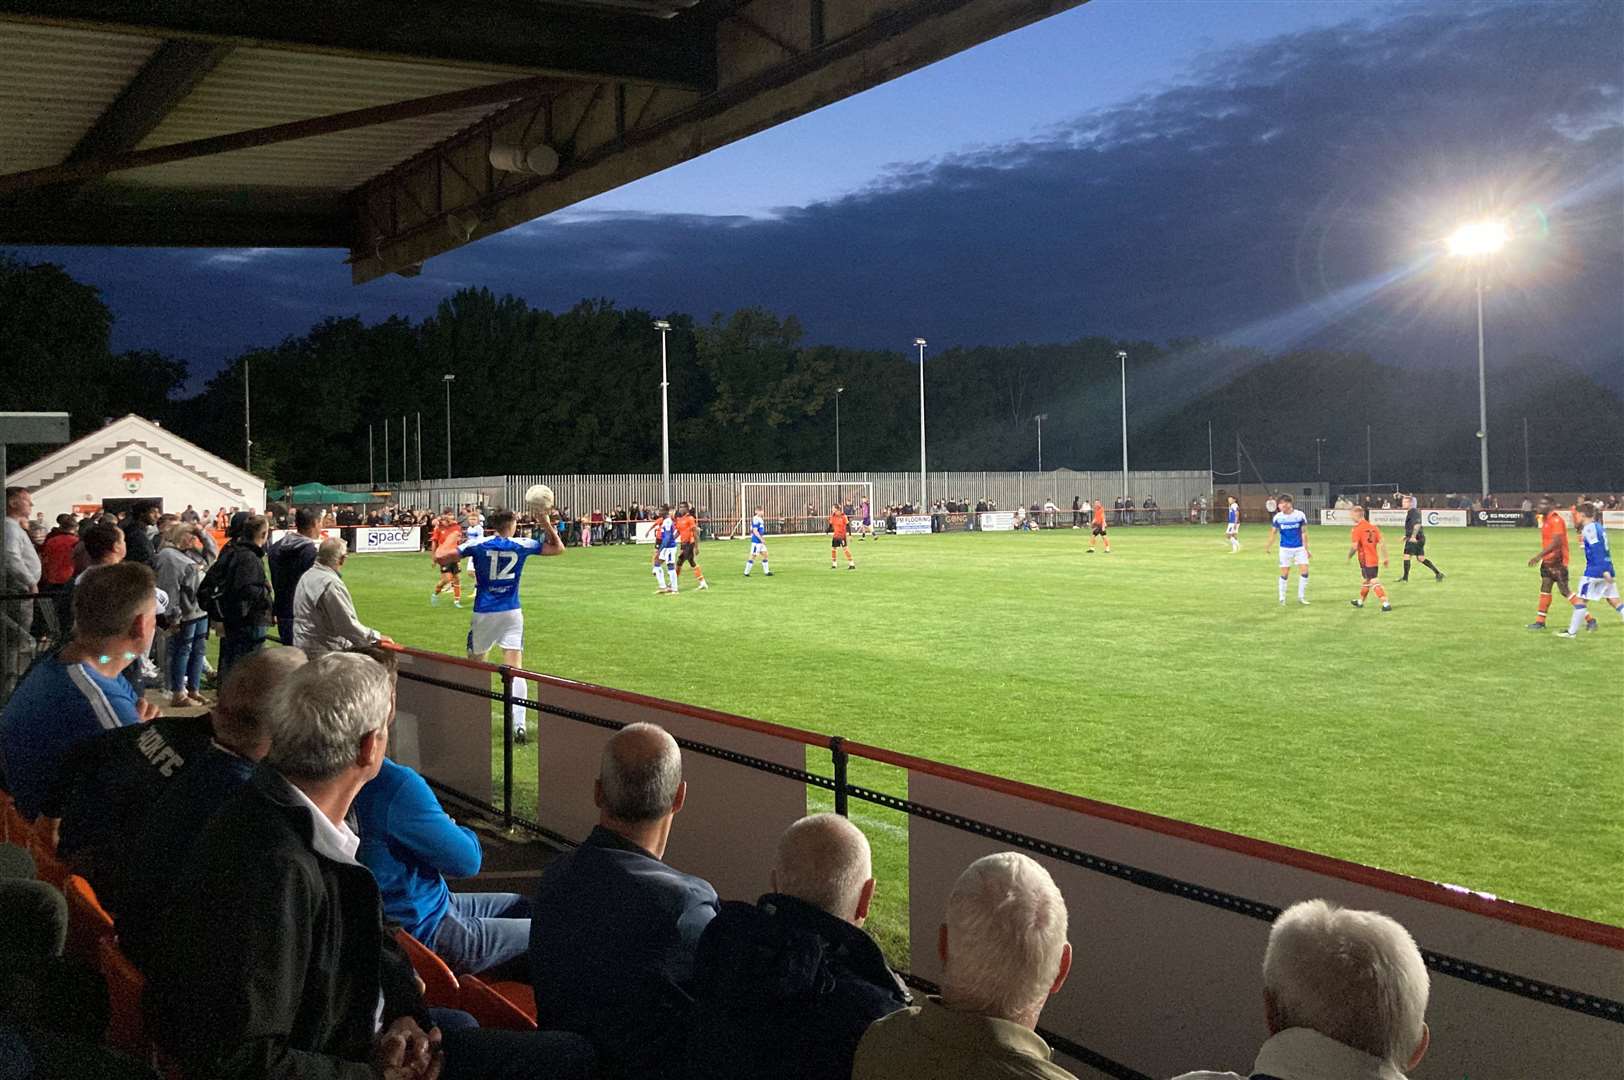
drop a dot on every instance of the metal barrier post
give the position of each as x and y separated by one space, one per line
507 746
837 752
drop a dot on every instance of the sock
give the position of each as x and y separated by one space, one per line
1234 544
765 569
1580 613
1406 576
1302 587
1618 606
1428 564
1282 588
1364 591
748 564
1544 606
518 710
456 589
659 574
1381 594
699 575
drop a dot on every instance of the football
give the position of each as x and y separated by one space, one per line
539 497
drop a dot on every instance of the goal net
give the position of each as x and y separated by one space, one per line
791 508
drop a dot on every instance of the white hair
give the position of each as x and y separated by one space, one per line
331 552
1006 930
640 772
322 712
1353 976
824 860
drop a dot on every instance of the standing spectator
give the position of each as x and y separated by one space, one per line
20 574
613 929
786 987
324 618
56 559
244 595
288 560
179 575
1004 951
188 515
80 691
1344 995
136 526
1077 511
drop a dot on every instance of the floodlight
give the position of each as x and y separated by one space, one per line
661 325
1479 238
919 341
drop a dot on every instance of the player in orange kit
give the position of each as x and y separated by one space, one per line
1552 559
688 537
443 548
1099 529
838 539
1368 545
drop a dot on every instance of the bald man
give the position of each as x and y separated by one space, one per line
785 987
613 929
151 860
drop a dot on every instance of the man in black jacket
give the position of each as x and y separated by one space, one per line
137 541
288 559
245 594
785 988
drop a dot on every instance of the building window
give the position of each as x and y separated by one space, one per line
132 462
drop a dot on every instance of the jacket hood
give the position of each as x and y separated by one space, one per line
785 950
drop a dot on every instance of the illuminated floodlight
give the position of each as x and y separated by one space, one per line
1479 238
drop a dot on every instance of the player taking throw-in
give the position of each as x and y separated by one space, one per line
498 561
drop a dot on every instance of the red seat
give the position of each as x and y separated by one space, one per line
440 986
88 921
521 996
494 1010
126 1027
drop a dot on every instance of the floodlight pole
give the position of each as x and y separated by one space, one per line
371 480
1122 358
405 441
1482 393
420 446
449 379
247 428
664 327
924 501
1040 418
838 391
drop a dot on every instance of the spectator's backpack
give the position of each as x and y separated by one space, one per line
211 589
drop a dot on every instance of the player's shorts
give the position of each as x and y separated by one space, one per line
495 630
1099 529
687 555
757 548
1232 528
1370 573
449 566
837 542
1595 588
1297 556
668 556
1418 546
1552 574
868 523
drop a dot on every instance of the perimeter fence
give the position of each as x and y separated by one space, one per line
1169 919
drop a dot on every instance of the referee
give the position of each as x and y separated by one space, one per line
1415 539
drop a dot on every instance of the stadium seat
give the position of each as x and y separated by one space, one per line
88 921
126 1026
521 996
491 1009
43 846
440 986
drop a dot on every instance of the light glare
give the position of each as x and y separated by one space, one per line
1479 238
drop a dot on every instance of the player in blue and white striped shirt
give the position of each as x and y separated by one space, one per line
1233 529
1290 526
758 545
1600 580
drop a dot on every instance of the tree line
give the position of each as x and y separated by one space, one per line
578 391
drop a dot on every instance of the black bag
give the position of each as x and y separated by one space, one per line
210 592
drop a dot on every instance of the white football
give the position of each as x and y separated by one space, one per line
539 497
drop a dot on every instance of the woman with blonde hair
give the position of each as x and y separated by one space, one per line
179 574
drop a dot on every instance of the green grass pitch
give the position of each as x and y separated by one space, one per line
1442 740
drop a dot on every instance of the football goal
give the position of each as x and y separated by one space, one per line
796 507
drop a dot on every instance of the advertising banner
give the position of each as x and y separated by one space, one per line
1445 519
912 524
1502 519
996 521
1394 519
404 538
645 531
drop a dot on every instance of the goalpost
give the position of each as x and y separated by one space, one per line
783 505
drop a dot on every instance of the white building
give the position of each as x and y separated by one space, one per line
134 459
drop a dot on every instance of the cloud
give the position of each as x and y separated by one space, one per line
1290 193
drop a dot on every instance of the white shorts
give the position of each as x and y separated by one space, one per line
1595 588
758 549
1293 556
495 629
1232 529
668 556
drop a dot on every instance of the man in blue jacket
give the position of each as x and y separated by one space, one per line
614 929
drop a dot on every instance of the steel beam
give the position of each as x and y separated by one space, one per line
532 38
161 84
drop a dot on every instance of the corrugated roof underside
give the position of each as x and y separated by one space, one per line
255 88
55 84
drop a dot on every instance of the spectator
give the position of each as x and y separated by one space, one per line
613 930
244 596
288 560
179 575
786 987
324 617
189 516
1004 951
137 879
1077 511
411 844
56 556
1344 995
137 537
20 574
79 692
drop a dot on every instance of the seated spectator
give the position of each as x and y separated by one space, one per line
1004 951
137 877
613 930
784 988
324 618
411 845
1344 997
80 692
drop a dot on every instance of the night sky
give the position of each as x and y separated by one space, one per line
1273 174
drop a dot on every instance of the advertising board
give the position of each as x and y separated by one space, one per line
912 524
373 540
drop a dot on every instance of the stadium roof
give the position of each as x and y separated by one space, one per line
371 125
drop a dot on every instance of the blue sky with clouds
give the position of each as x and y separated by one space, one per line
1275 173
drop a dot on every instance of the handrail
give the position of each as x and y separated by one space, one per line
1460 898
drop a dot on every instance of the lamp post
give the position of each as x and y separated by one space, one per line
1477 242
664 328
838 391
449 379
1318 444
1040 418
247 431
1122 358
923 503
